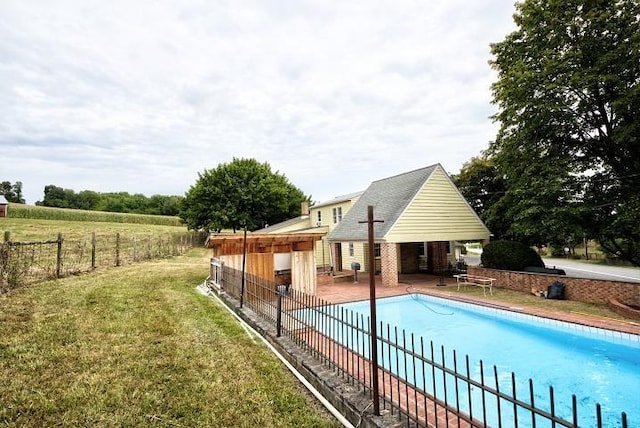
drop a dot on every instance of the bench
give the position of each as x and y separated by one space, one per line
479 281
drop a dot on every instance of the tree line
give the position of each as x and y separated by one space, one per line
120 202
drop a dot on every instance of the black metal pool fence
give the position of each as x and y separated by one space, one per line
422 384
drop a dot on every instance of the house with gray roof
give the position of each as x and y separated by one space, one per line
423 214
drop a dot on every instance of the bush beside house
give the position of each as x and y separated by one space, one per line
509 255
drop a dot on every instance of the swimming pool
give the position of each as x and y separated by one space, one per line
597 365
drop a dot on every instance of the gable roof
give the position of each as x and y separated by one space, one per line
3 201
389 197
417 206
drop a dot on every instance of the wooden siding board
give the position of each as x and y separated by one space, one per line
303 274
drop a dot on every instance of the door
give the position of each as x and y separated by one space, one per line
337 251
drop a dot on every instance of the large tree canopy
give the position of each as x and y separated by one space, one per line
482 186
568 93
241 193
12 192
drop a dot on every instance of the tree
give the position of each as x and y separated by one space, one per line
12 192
482 186
568 93
241 193
55 196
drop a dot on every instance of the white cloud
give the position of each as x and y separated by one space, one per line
141 96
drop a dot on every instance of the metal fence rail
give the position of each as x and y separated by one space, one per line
423 384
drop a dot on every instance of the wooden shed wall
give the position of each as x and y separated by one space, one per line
259 264
303 272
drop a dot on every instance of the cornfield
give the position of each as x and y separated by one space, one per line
47 213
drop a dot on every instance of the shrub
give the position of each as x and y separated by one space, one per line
509 255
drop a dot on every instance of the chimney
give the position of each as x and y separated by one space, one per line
304 209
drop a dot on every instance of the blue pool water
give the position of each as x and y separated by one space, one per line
598 366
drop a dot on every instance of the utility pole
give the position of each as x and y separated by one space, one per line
372 304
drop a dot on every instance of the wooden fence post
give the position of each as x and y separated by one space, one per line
135 245
59 256
93 250
118 249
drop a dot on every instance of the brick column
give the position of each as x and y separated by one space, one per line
389 264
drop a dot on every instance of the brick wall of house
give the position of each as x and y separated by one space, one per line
438 261
409 258
389 261
579 289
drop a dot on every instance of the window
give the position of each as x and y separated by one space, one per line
376 250
422 249
351 250
319 218
337 215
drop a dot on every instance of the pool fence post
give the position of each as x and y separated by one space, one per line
279 293
244 261
372 303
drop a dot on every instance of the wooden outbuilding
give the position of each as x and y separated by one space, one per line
4 207
271 256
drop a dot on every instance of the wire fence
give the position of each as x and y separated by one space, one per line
24 263
423 384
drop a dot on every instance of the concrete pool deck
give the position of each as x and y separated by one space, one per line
341 290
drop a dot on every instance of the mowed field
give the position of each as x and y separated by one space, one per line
22 229
136 346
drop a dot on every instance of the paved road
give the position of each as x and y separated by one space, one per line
581 269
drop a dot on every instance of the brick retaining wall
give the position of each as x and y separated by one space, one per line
579 289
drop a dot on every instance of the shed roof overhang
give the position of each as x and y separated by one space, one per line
263 242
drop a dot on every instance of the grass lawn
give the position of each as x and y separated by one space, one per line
520 299
139 346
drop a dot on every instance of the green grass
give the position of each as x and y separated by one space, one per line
527 300
48 213
138 346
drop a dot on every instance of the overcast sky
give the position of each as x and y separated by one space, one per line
140 96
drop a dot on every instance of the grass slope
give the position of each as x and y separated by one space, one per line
138 346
